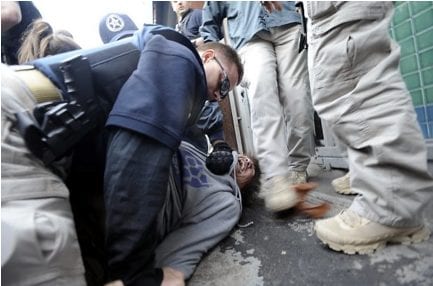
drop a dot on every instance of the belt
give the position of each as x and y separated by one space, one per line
40 86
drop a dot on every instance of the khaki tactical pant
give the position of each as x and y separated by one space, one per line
280 103
37 221
358 90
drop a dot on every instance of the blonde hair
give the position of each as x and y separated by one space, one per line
40 41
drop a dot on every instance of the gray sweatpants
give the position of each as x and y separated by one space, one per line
358 90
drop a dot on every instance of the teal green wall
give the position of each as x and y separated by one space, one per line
412 28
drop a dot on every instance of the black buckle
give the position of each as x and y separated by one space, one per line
303 37
59 125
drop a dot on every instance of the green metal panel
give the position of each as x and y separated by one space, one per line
423 20
412 28
401 12
417 97
426 58
412 81
427 76
429 95
408 64
419 6
403 30
407 47
424 40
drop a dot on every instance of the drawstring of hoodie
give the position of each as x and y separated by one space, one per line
238 195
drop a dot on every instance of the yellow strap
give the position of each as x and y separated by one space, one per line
41 87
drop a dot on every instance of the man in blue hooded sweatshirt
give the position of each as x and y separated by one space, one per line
146 107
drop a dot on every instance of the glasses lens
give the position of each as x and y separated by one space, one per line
224 87
224 83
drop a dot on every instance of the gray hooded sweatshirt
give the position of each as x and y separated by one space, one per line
201 209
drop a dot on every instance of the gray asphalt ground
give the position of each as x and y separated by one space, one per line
269 250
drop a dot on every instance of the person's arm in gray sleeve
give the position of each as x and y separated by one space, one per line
183 248
212 18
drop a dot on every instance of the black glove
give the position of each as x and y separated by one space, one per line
221 159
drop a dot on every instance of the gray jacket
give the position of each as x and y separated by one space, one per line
244 19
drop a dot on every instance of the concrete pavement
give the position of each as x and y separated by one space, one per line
269 250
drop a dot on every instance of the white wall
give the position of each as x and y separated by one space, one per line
81 18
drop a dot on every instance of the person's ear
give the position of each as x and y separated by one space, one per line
207 55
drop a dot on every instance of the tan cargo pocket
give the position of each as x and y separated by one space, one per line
333 63
57 240
318 9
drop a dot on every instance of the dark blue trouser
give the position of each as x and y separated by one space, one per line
136 176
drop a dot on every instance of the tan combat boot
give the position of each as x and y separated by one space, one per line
278 194
351 233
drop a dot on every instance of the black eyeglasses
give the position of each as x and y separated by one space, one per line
225 82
